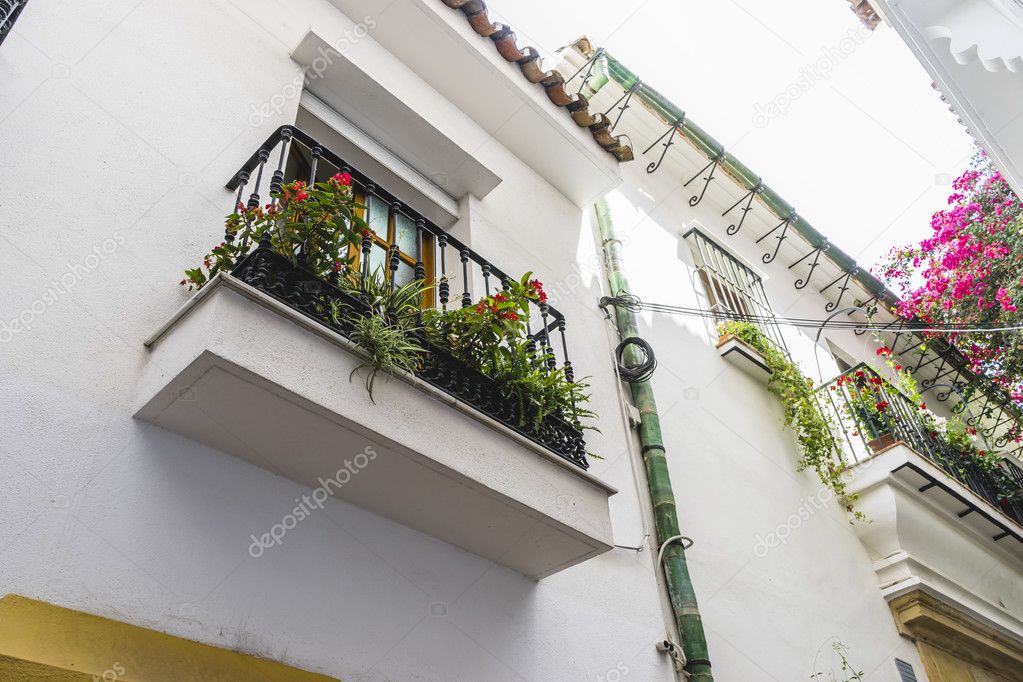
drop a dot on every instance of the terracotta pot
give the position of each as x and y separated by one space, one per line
882 442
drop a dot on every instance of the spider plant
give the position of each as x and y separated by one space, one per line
387 326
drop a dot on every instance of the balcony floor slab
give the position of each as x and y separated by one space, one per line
245 374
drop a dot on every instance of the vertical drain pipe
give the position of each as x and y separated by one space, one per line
680 586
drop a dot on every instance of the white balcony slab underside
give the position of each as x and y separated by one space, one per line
242 373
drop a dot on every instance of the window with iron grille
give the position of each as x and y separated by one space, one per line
732 289
9 11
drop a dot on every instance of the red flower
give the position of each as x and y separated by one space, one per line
336 267
884 350
295 191
881 406
875 380
342 179
365 232
860 374
923 406
537 287
898 368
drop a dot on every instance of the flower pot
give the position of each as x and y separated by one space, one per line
744 356
882 442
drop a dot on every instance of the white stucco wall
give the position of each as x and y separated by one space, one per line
121 123
778 570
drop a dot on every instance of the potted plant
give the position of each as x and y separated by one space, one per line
746 347
867 404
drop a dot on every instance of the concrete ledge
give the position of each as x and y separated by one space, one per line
241 372
744 357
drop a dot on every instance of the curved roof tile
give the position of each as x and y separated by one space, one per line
528 61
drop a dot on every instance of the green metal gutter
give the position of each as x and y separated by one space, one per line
680 586
609 67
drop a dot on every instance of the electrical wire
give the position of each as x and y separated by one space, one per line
635 374
635 304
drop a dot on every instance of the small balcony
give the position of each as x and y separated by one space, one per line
259 365
962 471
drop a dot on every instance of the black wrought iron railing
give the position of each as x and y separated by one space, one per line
426 252
869 414
733 290
9 11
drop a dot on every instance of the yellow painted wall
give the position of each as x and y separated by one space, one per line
42 642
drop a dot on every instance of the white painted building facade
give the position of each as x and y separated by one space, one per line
154 439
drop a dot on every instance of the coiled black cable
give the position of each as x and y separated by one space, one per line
635 374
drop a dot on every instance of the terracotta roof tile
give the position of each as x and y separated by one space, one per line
528 61
866 13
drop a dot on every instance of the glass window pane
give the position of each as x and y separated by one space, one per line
378 260
404 275
377 220
405 235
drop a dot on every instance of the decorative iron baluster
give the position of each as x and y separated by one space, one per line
392 250
734 228
713 165
316 152
784 227
816 253
264 154
548 352
567 364
392 266
485 269
832 305
277 179
443 287
367 245
466 298
670 134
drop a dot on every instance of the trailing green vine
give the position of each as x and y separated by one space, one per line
802 412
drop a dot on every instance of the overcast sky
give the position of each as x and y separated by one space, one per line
858 141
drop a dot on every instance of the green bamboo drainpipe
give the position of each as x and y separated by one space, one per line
680 586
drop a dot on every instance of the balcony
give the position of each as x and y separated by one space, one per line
972 477
941 520
257 365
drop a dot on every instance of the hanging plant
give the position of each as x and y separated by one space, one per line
801 413
386 328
